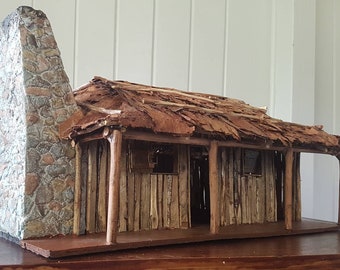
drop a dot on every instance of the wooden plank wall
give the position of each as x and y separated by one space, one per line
155 201
246 199
147 201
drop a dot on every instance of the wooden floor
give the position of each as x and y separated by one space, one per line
95 243
310 251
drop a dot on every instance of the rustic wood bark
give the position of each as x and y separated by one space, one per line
288 189
223 172
145 202
102 183
154 202
183 176
123 200
168 195
137 202
160 200
77 191
115 140
237 186
271 213
230 188
91 188
244 204
174 209
254 203
213 185
260 195
131 200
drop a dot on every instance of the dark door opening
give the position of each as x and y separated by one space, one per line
199 186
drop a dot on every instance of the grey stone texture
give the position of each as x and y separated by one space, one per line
36 167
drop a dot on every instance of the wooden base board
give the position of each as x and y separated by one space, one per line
64 246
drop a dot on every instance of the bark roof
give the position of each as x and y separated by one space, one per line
179 113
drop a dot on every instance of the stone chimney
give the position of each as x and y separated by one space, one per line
36 167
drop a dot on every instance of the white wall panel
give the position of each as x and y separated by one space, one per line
303 89
207 46
325 180
64 30
135 40
304 62
171 44
248 54
282 59
7 7
94 47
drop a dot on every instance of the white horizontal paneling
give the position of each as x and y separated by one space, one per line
135 40
324 64
7 7
171 44
303 62
248 54
325 178
207 46
65 39
95 35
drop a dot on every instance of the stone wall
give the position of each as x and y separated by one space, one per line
42 187
12 129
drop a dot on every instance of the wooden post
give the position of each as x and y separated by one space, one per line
115 140
91 196
77 191
288 189
213 185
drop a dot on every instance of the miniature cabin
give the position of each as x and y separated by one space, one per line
151 158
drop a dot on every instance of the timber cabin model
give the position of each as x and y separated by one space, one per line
149 159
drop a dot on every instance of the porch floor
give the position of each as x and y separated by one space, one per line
64 246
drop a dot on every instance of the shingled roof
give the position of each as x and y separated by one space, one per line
179 113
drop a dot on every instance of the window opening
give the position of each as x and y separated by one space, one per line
252 162
149 157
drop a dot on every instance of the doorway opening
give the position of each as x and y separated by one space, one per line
199 186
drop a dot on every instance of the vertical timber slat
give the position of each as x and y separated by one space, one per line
288 189
115 140
92 188
213 184
160 200
123 204
224 179
77 191
103 158
174 208
183 186
137 202
131 200
153 203
145 202
230 188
